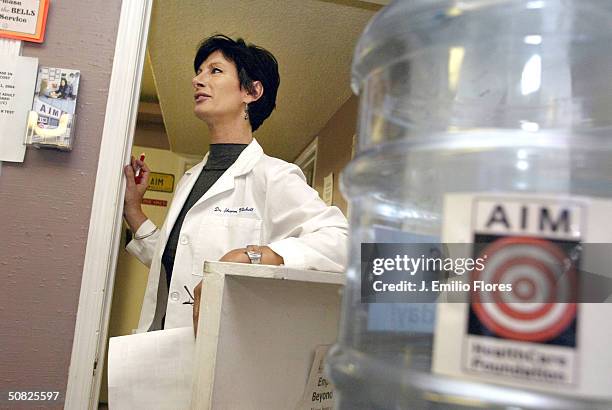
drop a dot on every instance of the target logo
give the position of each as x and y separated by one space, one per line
542 276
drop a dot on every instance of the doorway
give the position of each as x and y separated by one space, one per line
313 42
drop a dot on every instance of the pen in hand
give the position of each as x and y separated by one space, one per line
138 173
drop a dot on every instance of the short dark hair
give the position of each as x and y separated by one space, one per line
253 64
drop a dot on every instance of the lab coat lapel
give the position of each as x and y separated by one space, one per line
190 178
223 184
245 162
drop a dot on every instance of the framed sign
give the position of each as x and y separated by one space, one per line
161 182
23 19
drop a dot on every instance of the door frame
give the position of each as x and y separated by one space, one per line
103 238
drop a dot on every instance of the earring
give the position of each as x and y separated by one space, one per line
246 111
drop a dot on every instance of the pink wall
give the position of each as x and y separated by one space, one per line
45 206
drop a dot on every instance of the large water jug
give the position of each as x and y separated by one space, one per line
484 121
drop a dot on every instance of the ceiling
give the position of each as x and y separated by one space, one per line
313 41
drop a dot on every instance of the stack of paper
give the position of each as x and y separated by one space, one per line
151 370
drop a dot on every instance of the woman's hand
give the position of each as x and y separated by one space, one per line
268 257
236 255
134 192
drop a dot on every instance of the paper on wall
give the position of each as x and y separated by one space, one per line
328 189
17 82
151 370
319 392
9 47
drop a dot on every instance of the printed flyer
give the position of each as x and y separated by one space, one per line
17 81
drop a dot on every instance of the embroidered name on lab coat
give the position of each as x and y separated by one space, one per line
234 210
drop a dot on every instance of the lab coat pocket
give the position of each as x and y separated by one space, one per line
223 234
243 231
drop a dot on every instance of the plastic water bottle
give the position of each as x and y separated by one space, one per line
464 102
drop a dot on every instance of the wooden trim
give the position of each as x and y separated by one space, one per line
308 156
150 112
89 345
381 2
274 272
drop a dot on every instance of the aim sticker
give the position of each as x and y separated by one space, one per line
529 333
536 337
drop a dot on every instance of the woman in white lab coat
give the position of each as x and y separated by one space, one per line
236 197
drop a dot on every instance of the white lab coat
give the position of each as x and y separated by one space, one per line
258 200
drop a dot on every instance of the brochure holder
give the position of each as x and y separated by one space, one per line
52 119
